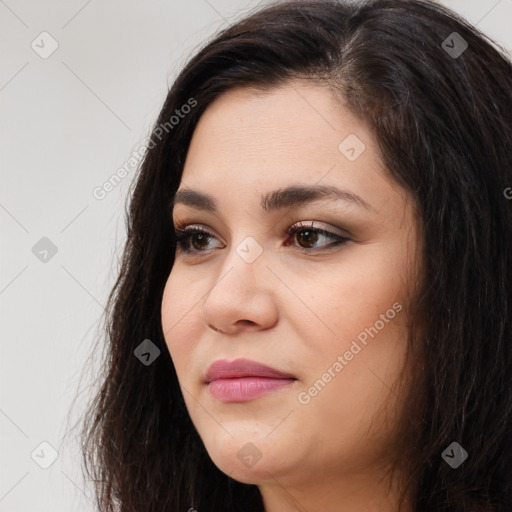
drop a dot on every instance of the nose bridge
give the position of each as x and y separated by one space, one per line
247 239
244 263
242 277
249 250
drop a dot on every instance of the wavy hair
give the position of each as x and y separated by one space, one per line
443 123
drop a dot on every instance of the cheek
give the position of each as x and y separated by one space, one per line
342 299
355 311
179 310
349 375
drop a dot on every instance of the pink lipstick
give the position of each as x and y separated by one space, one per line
242 380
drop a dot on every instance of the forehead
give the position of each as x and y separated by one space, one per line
248 143
295 122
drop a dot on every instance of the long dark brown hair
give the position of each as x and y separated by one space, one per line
442 115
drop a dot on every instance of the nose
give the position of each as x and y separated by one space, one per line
242 297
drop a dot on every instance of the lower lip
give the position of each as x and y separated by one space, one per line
245 388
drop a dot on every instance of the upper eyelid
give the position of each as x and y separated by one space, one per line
312 224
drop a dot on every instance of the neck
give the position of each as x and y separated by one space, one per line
360 492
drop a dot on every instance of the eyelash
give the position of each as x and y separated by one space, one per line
183 235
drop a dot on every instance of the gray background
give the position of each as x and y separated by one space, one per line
68 122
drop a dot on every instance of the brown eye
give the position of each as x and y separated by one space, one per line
199 239
307 237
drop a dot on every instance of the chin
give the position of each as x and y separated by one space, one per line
250 461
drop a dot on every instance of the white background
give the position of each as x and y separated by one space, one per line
68 123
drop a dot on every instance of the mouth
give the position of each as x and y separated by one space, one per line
243 380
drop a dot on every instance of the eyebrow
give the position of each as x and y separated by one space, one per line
292 196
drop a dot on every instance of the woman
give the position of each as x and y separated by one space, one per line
314 306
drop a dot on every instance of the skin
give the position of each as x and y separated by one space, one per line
291 309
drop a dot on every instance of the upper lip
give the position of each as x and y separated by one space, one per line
224 369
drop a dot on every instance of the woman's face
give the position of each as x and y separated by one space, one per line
332 317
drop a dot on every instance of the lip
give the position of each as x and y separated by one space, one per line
224 369
242 380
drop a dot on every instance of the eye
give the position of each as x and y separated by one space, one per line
309 235
194 240
186 236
